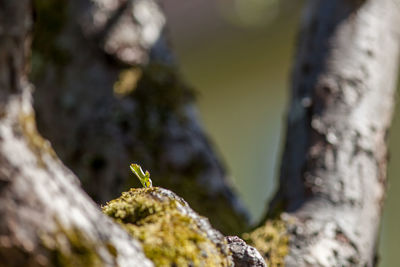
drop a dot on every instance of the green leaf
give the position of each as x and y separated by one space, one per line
144 178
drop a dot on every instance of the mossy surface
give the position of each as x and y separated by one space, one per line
215 207
271 240
71 248
169 235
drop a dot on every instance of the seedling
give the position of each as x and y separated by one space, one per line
144 178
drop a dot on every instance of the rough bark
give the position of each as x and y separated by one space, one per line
333 173
45 218
243 254
111 95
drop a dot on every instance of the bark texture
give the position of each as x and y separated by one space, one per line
333 173
109 94
243 254
45 218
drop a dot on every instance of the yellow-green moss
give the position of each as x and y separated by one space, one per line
169 236
217 209
71 248
271 240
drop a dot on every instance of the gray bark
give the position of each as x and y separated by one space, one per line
98 133
333 173
243 254
45 218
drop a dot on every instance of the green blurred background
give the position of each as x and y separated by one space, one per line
238 55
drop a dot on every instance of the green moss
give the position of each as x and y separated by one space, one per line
271 240
71 248
216 208
169 236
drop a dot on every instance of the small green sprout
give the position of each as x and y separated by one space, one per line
144 178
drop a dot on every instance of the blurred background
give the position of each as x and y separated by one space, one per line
237 54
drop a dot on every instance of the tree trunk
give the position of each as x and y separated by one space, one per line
109 94
333 173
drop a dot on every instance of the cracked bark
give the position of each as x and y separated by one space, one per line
333 172
150 118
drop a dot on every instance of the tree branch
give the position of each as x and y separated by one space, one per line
333 172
